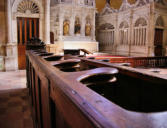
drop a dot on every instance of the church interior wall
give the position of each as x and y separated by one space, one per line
2 27
140 48
59 13
162 13
13 48
2 33
140 38
15 14
74 22
122 44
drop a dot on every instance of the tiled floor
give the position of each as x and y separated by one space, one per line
15 110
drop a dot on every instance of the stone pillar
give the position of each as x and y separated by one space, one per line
47 22
131 28
72 23
93 26
61 20
11 48
150 31
116 35
83 22
9 22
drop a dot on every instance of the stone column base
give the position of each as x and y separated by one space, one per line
11 61
2 63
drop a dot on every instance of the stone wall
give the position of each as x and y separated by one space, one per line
133 26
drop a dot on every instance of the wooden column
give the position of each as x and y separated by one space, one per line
35 27
25 30
30 27
20 27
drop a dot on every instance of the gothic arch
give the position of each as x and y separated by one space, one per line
88 19
123 33
123 24
140 3
17 2
106 26
160 22
77 28
140 21
28 6
16 14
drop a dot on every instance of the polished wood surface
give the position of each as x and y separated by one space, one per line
145 62
158 41
27 28
135 100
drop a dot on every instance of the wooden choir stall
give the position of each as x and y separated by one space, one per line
80 92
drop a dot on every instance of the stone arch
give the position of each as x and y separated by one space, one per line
140 3
17 2
140 32
106 26
123 24
16 14
28 6
123 33
88 19
160 22
140 21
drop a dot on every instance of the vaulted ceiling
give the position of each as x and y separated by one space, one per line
114 3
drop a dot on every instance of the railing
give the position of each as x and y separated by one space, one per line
149 62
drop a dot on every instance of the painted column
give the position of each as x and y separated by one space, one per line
9 22
47 21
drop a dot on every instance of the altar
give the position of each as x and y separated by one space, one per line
73 25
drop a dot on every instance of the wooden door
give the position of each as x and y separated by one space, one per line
26 29
158 45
